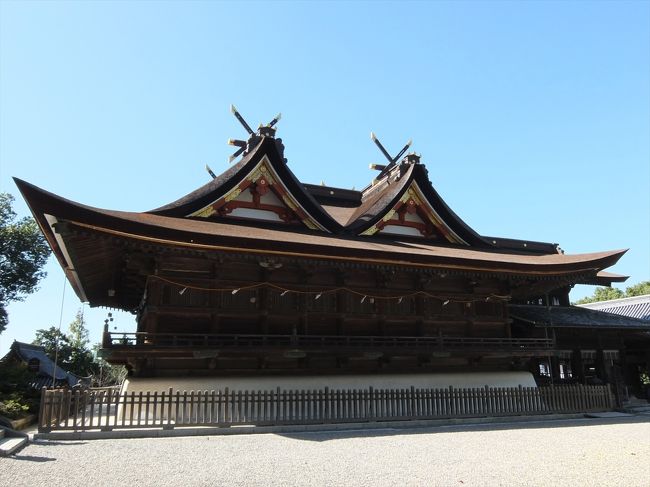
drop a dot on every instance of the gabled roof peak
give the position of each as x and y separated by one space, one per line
394 170
411 158
393 174
254 138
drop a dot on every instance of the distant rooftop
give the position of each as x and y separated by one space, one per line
634 307
47 370
574 317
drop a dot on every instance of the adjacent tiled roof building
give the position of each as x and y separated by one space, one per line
634 307
47 373
578 317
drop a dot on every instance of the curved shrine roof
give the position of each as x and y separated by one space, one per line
269 152
201 234
259 206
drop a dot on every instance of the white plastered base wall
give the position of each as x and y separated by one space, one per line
268 383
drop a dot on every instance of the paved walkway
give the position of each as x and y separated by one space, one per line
585 452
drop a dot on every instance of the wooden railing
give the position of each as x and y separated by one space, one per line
107 410
374 343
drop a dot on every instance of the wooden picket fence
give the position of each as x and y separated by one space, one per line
108 409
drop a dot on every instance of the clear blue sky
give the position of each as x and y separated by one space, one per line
533 117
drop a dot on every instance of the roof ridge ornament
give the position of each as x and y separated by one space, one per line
254 138
392 161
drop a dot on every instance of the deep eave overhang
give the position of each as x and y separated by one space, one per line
377 251
604 279
207 235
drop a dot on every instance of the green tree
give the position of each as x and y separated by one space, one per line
638 289
52 339
23 253
75 356
73 352
16 395
607 293
81 358
78 332
602 294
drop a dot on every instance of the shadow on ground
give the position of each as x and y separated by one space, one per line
420 430
58 443
32 458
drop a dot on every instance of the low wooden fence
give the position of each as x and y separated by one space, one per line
108 409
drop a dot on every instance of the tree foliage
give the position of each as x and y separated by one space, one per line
23 253
81 359
602 294
607 293
78 332
73 353
17 397
52 339
638 289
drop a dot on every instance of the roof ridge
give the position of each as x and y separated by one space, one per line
628 300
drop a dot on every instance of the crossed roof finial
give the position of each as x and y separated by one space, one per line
384 168
267 130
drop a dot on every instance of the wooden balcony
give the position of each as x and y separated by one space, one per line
163 343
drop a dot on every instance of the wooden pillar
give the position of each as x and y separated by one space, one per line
506 316
215 319
470 314
577 366
629 378
340 302
554 362
151 324
263 303
420 306
262 306
381 317
154 299
602 368
303 320
381 281
214 300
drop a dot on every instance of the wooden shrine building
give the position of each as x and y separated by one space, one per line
259 274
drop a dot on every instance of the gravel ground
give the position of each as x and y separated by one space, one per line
571 452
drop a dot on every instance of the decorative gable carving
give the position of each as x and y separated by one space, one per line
261 195
414 216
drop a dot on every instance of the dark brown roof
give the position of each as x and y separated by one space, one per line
343 214
604 278
573 317
173 230
331 196
333 218
344 211
89 262
228 180
200 233
378 200
340 213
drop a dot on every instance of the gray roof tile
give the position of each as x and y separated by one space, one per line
574 316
